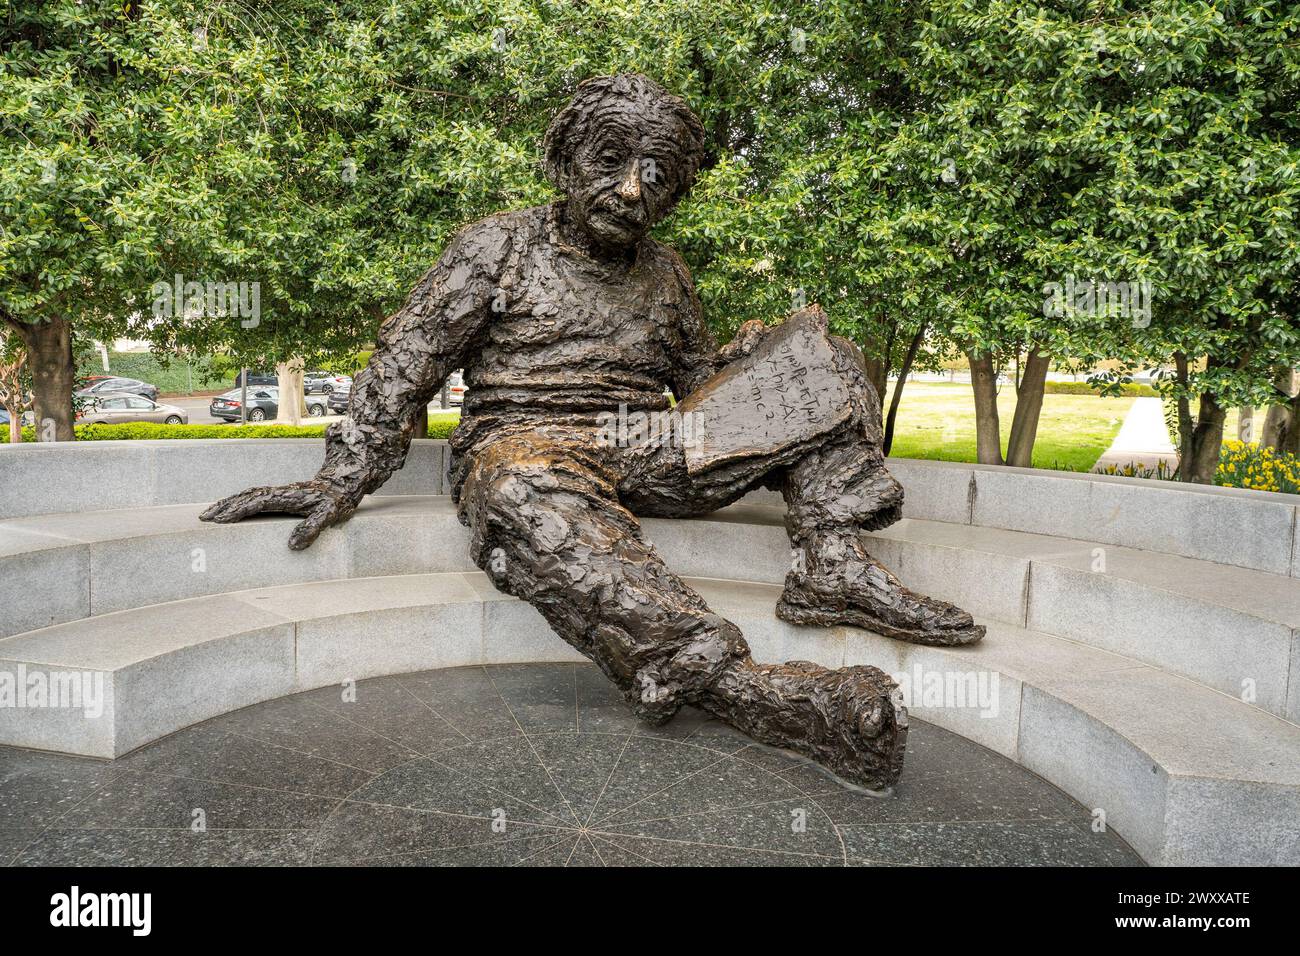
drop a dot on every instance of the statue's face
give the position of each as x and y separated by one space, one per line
624 175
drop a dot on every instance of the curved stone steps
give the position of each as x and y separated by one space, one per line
1186 774
1233 629
1249 529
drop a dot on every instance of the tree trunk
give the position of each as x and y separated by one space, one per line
1200 458
903 372
293 401
1289 440
877 374
1282 428
1282 423
877 356
1202 462
49 357
988 431
15 428
1200 442
1185 424
422 422
1029 405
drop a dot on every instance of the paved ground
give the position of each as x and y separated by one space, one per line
1143 439
536 765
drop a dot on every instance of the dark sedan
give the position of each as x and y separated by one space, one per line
263 403
338 400
260 379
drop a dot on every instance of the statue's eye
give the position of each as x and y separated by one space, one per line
610 160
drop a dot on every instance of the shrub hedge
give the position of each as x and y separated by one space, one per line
1083 388
175 376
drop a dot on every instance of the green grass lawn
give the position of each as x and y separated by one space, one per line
937 421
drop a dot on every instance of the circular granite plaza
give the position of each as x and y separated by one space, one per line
519 765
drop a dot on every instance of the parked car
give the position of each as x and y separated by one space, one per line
325 382
339 398
259 379
119 386
263 403
317 383
114 409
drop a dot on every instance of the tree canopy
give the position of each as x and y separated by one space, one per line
925 170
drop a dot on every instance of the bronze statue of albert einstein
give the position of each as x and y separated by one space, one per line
560 316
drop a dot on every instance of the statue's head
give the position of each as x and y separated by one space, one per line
624 151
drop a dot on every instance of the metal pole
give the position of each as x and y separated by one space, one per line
243 396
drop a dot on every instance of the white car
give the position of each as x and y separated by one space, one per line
324 382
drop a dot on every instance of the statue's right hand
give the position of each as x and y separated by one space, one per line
747 338
319 503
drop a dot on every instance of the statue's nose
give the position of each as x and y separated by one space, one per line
630 187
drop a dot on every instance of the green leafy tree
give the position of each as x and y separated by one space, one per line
58 237
1204 185
1137 148
923 170
326 152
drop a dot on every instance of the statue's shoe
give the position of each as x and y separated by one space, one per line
850 721
861 592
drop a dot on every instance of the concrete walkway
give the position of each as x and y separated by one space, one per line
1143 439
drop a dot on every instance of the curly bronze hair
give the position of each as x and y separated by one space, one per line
570 124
